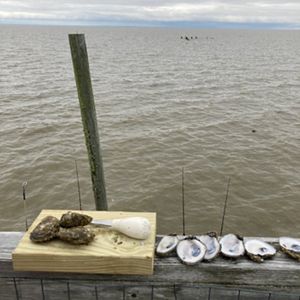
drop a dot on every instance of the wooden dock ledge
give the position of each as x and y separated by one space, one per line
278 278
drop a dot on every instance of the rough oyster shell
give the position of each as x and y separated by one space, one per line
212 245
190 250
76 235
290 246
72 219
46 230
166 245
232 246
258 250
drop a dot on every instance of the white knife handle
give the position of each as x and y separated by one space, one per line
135 227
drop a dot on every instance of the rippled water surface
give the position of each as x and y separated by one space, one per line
224 105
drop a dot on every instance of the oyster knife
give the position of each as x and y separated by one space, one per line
134 227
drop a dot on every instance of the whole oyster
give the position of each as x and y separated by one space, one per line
76 235
212 245
290 246
46 230
166 245
72 219
190 250
232 246
258 250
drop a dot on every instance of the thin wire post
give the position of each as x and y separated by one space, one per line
78 186
225 206
183 204
175 292
24 204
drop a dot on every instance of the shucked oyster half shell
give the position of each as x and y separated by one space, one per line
232 246
72 219
166 245
190 250
46 230
212 245
258 250
290 246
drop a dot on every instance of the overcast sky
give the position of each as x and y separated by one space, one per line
276 13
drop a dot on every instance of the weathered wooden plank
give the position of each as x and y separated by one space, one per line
224 294
277 296
88 116
56 289
8 242
281 274
8 289
163 292
91 290
82 290
248 295
191 292
28 287
138 292
111 292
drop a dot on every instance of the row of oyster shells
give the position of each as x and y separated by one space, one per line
193 249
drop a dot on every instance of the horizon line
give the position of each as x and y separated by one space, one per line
152 24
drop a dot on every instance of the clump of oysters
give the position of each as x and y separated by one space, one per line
70 228
193 249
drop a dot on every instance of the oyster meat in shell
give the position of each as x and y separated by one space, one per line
76 235
232 246
290 246
258 250
212 245
72 219
190 250
46 230
166 245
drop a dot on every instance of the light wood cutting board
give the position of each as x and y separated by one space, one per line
110 252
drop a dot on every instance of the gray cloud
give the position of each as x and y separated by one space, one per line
257 11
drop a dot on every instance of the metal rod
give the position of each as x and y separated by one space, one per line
183 204
96 293
88 116
16 288
225 206
42 289
209 292
78 186
124 293
174 289
270 295
24 204
68 290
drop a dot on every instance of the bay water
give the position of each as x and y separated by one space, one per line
224 104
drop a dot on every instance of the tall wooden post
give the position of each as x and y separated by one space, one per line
88 115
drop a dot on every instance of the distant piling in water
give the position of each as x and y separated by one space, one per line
88 115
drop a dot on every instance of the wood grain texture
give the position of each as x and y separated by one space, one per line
110 253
